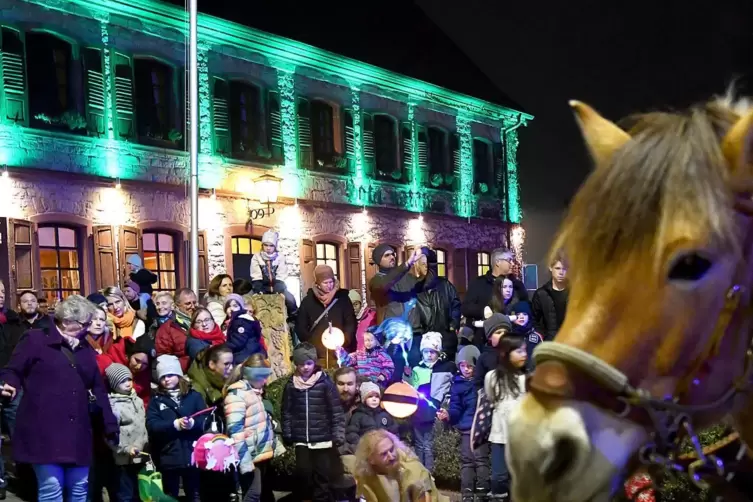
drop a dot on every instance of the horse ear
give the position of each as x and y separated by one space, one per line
737 145
602 136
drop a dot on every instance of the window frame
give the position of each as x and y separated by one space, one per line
81 255
176 240
234 242
443 262
447 167
488 171
147 112
316 137
394 154
483 268
259 147
326 261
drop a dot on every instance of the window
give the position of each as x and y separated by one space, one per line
482 166
440 172
385 144
59 262
483 262
154 84
246 120
441 262
328 253
243 248
50 97
159 257
322 130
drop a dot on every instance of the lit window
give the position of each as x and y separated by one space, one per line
159 257
483 263
243 248
441 262
59 263
327 254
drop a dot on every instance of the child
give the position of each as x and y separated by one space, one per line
249 423
432 378
371 363
520 315
172 430
269 271
368 416
243 331
365 316
141 304
141 276
128 409
495 327
313 422
504 386
140 355
474 464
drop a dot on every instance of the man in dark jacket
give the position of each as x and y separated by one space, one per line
480 291
550 301
29 315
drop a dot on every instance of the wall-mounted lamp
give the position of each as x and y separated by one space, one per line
117 183
213 195
6 174
266 191
364 211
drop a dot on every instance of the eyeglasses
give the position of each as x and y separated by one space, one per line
204 322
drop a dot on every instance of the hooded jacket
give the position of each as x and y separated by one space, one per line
244 338
370 363
434 383
249 425
131 416
172 448
313 415
463 399
260 277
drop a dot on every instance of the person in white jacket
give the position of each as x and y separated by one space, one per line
504 386
269 271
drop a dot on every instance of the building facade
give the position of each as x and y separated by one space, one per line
93 148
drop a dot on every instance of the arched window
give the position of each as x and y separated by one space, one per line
385 146
51 99
328 253
160 257
154 99
59 261
243 248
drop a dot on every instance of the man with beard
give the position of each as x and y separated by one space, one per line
28 312
347 388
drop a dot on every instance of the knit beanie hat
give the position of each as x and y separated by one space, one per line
258 367
376 255
468 354
466 332
496 322
117 374
135 260
303 352
322 273
521 307
269 237
97 298
238 298
369 388
431 341
133 286
355 296
168 365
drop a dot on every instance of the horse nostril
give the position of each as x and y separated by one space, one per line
558 461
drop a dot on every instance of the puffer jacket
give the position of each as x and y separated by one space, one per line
312 415
434 383
171 448
369 363
131 416
365 419
244 338
249 425
486 362
171 339
463 399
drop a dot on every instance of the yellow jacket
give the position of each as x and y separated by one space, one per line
413 481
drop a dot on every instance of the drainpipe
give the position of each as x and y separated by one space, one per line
507 195
193 84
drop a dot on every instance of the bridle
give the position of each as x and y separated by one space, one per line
565 372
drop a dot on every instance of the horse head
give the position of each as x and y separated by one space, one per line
658 319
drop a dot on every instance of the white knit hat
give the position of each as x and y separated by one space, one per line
269 237
431 341
369 388
168 365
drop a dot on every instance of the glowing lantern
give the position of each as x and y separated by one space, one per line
333 337
400 400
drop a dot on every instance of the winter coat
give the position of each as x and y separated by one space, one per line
502 407
260 278
131 416
369 364
391 289
365 419
434 383
43 322
439 307
244 338
144 278
53 424
413 478
544 312
249 424
367 320
463 399
487 361
206 382
10 334
116 353
341 316
171 339
313 415
170 447
216 306
479 296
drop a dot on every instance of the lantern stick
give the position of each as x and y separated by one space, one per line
427 400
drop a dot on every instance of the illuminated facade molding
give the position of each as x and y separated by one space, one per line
465 198
513 188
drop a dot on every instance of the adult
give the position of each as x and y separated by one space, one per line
439 308
219 287
504 295
28 312
60 454
163 306
204 332
99 338
346 381
388 471
480 290
172 335
127 324
550 301
209 372
325 304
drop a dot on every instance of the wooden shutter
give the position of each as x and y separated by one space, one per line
305 150
129 244
14 100
203 264
498 178
371 268
455 155
459 271
367 142
105 268
124 110
221 118
423 156
406 150
275 125
308 264
94 85
354 266
349 133
23 257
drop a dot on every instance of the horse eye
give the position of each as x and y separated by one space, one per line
690 267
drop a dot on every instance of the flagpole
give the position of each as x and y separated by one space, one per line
193 83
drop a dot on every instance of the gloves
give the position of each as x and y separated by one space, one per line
487 312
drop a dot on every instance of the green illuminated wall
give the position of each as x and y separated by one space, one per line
513 188
465 199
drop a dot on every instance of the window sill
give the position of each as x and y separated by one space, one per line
161 143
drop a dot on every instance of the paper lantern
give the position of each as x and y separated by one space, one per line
400 400
333 337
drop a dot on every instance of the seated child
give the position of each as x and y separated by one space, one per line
368 416
128 409
372 362
243 331
522 324
141 276
269 271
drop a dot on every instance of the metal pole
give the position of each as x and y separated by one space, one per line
193 83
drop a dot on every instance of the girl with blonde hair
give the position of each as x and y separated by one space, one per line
124 319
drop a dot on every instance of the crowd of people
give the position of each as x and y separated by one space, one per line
104 383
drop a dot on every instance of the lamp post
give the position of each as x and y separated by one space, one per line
193 98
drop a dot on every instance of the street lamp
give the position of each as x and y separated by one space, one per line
266 191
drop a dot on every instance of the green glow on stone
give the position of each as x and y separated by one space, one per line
288 116
415 200
513 187
466 200
355 100
105 36
205 115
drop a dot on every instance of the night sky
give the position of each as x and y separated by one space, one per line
620 57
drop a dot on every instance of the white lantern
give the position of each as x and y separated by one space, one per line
333 337
400 400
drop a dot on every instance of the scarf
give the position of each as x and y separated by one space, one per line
302 384
325 298
94 343
3 319
163 319
124 325
214 337
182 320
71 341
269 257
175 395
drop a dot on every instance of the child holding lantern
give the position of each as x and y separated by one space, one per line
371 363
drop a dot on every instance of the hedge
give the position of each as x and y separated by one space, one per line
673 487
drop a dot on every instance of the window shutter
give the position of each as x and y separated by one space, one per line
423 155
406 147
14 102
308 263
275 125
23 254
94 84
349 135
371 268
459 271
354 266
367 141
203 264
180 117
129 244
305 150
124 111
472 263
455 156
221 118
105 273
499 187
